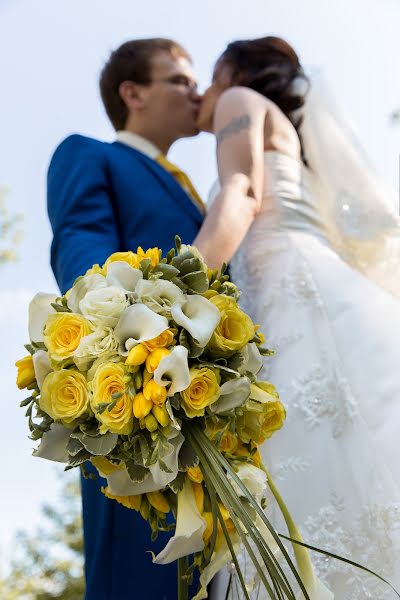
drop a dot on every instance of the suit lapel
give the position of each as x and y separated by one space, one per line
167 181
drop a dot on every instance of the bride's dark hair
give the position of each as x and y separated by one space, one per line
270 66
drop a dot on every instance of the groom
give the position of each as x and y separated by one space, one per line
105 198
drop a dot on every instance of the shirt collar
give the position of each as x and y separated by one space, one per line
138 143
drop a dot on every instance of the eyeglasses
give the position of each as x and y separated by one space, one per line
179 80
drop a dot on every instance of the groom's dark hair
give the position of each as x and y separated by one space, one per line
131 62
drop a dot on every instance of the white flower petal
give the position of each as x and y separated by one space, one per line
253 478
120 484
42 366
218 561
120 274
84 285
39 309
53 445
198 316
138 324
174 369
253 360
233 393
159 294
188 537
104 305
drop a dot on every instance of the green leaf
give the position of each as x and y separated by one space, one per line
136 473
79 458
165 271
74 446
27 401
178 243
187 455
30 348
163 466
60 307
197 281
100 445
177 484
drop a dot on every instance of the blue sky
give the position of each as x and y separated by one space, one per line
50 57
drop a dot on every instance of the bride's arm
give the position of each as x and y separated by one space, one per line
239 129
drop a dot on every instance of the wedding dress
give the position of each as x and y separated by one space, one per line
336 334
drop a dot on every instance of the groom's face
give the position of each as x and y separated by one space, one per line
171 99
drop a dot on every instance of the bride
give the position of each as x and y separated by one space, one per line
313 241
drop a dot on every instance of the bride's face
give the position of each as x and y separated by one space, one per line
222 79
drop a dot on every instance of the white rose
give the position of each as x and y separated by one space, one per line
101 342
159 295
104 306
253 478
82 287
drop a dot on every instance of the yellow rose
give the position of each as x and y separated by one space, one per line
263 414
228 442
26 372
195 474
234 330
152 253
128 257
202 391
63 333
65 396
133 502
164 340
112 378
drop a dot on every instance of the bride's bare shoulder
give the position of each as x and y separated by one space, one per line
239 97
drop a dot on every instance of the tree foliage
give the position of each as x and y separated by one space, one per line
48 564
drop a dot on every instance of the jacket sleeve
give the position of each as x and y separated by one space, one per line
80 208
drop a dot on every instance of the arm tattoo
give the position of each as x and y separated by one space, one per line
236 125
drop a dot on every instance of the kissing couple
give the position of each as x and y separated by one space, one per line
312 239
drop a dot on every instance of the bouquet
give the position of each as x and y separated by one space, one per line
147 368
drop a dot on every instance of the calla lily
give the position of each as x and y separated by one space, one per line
253 360
120 274
138 324
39 309
233 393
120 484
198 316
174 369
53 445
42 366
188 537
159 295
220 558
82 287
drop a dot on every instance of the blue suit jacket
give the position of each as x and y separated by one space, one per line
104 198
